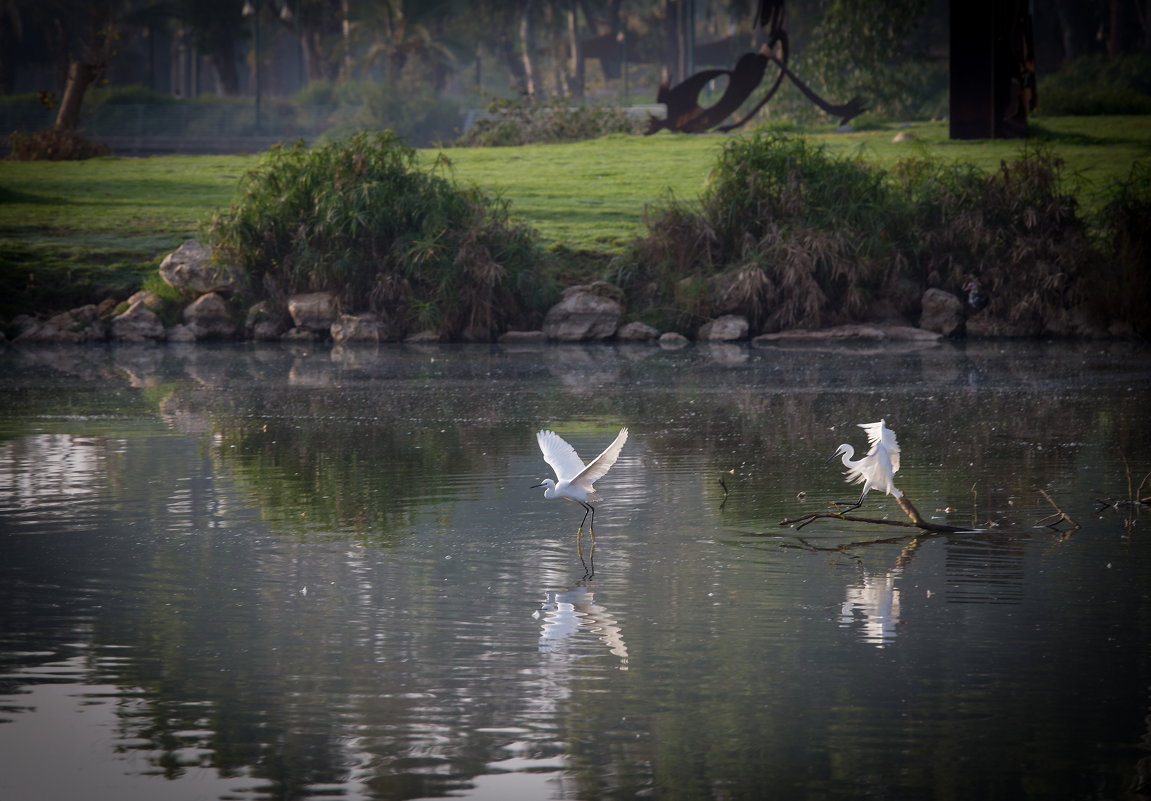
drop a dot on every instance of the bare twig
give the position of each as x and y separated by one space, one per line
1059 516
974 502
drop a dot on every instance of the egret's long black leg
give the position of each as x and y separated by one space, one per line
589 563
853 506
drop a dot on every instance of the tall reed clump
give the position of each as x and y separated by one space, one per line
1016 231
363 219
1122 279
785 233
793 236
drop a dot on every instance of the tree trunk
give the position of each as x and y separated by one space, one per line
575 56
527 37
224 62
80 77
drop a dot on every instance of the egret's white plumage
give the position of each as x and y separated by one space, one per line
877 469
574 479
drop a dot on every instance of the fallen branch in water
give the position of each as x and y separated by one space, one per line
1059 516
905 504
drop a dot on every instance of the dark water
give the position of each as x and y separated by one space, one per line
275 573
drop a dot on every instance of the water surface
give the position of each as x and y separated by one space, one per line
250 572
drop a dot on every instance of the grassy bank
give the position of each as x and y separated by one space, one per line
71 231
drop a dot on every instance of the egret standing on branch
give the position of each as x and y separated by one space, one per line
877 469
574 479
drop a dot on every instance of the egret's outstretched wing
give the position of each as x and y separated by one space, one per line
560 455
602 463
880 436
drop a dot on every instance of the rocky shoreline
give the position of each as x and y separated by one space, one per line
586 313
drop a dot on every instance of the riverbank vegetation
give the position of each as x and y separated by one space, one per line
791 235
364 219
74 232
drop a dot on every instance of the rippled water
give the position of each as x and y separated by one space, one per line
275 573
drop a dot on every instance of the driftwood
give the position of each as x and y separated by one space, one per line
1059 517
916 520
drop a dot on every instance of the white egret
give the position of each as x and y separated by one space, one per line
574 479
877 469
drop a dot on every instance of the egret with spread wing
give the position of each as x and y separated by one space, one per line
574 479
877 469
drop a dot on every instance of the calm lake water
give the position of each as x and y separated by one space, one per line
277 572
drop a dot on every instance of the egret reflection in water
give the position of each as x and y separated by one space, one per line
874 605
566 613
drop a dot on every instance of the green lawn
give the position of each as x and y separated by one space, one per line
71 229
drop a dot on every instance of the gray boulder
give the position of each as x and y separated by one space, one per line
523 338
359 328
942 313
180 334
263 324
314 311
71 327
423 337
149 299
673 341
637 332
191 267
585 312
210 318
137 324
839 333
726 328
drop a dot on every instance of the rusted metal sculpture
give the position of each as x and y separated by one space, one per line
684 112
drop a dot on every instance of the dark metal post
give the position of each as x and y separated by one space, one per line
992 69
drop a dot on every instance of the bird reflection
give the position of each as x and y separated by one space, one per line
565 613
876 602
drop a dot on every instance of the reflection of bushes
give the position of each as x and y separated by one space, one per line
793 236
363 219
356 462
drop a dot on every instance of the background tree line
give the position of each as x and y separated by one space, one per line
610 51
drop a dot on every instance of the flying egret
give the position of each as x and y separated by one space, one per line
877 469
574 478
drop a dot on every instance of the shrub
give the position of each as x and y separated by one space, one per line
415 113
53 145
786 233
520 123
1122 282
792 236
1017 230
360 217
1098 85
